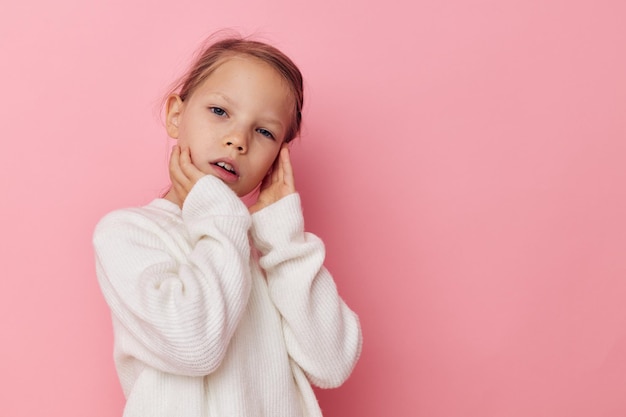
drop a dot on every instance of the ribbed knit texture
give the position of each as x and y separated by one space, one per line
205 325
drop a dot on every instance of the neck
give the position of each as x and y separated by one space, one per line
251 198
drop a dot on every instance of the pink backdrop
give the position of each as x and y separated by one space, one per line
463 160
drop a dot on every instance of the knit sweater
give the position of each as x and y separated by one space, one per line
220 313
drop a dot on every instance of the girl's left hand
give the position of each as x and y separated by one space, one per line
278 183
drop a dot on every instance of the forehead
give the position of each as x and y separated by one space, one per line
239 76
245 69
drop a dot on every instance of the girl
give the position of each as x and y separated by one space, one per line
220 301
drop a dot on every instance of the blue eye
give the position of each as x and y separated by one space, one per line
266 133
218 111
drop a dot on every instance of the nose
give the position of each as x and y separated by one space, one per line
237 140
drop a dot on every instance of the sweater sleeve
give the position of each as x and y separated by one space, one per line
322 334
179 298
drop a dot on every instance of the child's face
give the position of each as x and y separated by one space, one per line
234 123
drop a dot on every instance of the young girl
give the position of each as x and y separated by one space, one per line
220 301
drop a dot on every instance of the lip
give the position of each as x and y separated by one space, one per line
222 173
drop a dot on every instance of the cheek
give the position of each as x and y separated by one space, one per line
185 139
271 159
265 164
197 156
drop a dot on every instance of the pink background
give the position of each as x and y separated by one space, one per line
463 160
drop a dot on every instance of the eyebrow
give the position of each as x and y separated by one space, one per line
223 96
274 121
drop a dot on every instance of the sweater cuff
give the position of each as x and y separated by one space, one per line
278 224
211 197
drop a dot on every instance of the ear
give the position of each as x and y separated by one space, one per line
173 111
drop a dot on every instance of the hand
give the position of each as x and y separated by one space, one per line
278 183
183 174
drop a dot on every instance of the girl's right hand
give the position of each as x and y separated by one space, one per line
183 173
278 183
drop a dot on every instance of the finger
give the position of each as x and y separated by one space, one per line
288 177
175 164
174 155
188 168
176 174
185 162
281 165
276 169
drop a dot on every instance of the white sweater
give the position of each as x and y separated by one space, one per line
205 325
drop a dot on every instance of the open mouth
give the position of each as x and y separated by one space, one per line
226 167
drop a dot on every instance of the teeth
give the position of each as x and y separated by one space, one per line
226 166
